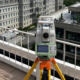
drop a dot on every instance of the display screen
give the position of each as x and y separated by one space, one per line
42 48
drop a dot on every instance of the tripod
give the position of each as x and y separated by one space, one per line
45 64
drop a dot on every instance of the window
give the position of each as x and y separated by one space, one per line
0 2
3 17
6 16
76 79
74 15
3 23
24 23
30 63
24 7
59 32
9 15
15 0
4 29
60 46
3 10
9 22
16 14
70 35
73 36
18 0
8 9
25 61
70 49
70 60
12 56
68 78
78 51
24 19
14 20
16 8
52 72
6 22
11 1
0 24
1 51
19 7
18 58
57 75
0 17
59 56
1 30
6 2
0 10
6 53
78 62
11 9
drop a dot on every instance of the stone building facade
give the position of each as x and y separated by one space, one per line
22 13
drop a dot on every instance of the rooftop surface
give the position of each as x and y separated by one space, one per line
76 5
66 15
8 72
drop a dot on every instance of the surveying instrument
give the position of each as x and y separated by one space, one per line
45 47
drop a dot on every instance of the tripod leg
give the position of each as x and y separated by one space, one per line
49 74
40 74
30 71
59 71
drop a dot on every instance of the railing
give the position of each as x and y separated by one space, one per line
20 38
15 45
76 68
10 47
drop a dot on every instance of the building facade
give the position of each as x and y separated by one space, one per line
75 12
29 9
69 33
22 13
9 10
59 5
